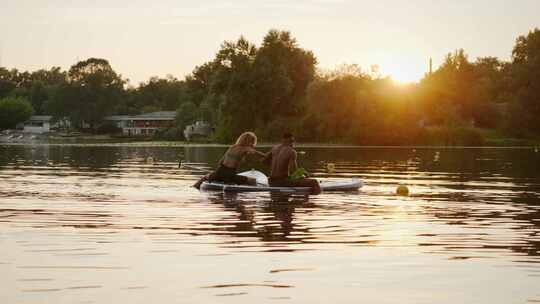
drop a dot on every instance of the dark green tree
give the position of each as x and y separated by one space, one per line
53 77
38 95
282 73
14 110
158 94
526 76
199 84
8 81
94 90
492 79
252 88
186 114
63 103
453 88
234 82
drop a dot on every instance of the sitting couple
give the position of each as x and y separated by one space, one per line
282 159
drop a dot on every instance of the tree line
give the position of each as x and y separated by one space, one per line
276 87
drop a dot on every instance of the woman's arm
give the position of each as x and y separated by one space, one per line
267 159
253 151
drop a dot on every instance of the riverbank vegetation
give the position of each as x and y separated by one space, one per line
277 86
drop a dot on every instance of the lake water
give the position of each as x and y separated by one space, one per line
101 224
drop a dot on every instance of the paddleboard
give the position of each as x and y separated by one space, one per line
262 185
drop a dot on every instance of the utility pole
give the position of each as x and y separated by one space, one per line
430 65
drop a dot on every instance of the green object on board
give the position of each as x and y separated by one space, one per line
299 173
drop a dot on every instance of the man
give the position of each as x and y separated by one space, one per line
283 161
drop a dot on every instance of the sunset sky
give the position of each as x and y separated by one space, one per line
155 38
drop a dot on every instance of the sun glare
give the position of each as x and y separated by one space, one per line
403 73
404 78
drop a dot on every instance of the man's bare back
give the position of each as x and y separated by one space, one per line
283 161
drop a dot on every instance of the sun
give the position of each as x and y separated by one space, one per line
404 72
404 78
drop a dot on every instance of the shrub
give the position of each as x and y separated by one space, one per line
453 136
108 127
14 110
169 134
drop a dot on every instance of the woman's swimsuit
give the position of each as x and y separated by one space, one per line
234 155
226 174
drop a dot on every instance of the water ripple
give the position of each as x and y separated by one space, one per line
91 210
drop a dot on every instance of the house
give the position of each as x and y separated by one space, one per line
198 129
38 124
44 124
144 124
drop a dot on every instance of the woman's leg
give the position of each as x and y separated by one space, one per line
244 180
200 181
251 181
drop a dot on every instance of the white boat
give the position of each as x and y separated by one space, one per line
263 186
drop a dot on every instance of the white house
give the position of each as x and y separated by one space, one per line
38 124
199 128
43 124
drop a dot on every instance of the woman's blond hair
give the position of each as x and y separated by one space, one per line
245 139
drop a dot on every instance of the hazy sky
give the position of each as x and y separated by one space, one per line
155 38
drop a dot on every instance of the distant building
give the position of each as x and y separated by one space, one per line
198 129
38 124
144 124
43 124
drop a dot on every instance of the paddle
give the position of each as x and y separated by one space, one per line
190 167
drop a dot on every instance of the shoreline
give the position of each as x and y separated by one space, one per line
18 138
262 145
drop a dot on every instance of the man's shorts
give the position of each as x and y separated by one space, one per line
286 182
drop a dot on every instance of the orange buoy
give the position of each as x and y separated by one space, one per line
402 190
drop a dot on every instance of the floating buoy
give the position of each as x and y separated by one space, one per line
402 190
330 168
437 156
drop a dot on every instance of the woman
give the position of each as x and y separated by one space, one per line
229 163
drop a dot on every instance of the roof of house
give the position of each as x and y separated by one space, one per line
119 117
164 114
40 118
161 115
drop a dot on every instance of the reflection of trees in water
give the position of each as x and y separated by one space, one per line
521 172
532 241
462 211
24 155
70 156
200 154
510 162
253 215
458 167
88 157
